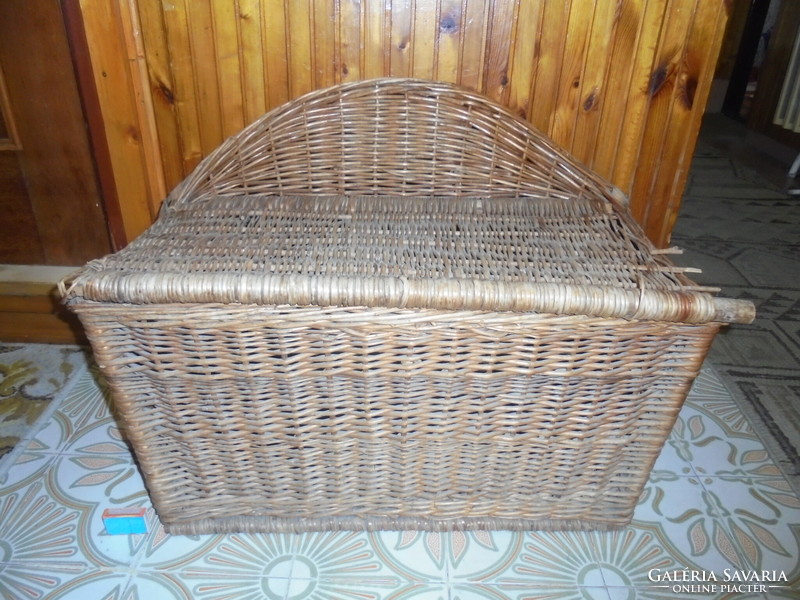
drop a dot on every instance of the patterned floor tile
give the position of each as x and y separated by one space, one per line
96 482
709 394
764 523
712 502
708 386
31 465
686 523
108 584
86 408
163 552
39 533
421 556
23 581
555 559
703 438
478 591
483 556
537 592
34 380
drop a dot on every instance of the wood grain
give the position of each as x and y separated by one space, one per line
549 61
597 76
662 91
54 164
593 88
20 241
402 27
162 79
31 308
693 86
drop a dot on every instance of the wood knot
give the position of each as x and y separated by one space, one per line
163 90
688 90
591 101
133 134
448 24
657 80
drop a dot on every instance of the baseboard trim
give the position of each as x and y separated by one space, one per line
31 309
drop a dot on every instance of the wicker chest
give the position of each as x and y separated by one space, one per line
393 305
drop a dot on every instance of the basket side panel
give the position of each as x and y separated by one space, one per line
263 417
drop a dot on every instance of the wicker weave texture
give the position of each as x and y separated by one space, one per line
392 304
278 418
390 137
576 256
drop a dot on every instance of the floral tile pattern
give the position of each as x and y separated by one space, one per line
34 378
715 506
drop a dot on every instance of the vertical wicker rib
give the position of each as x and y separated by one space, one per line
391 304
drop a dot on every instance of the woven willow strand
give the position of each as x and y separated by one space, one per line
542 255
394 304
412 139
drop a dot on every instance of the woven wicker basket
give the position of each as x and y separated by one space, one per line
393 305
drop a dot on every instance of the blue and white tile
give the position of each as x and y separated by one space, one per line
86 408
39 549
764 523
97 482
30 465
556 562
686 522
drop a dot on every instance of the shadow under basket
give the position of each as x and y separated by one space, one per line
393 305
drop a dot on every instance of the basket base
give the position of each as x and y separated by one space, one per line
244 524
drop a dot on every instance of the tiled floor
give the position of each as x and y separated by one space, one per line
714 502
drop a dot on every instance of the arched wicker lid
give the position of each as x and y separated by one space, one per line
399 193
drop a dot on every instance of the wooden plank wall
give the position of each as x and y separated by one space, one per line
622 84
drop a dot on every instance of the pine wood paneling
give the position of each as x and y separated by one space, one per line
474 23
617 109
450 35
549 61
350 39
276 56
609 80
325 37
423 42
693 84
162 78
229 67
107 35
663 88
300 33
500 38
593 89
251 50
402 19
